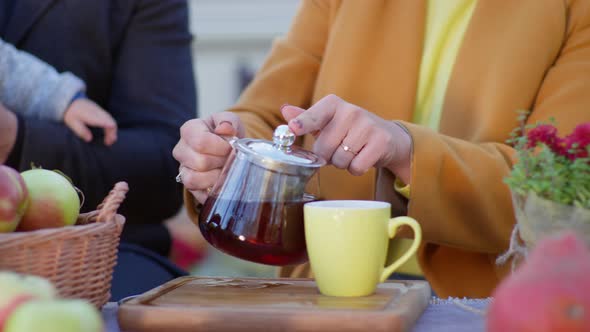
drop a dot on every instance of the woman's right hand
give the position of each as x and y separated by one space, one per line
202 151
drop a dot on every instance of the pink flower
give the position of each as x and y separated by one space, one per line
546 134
577 142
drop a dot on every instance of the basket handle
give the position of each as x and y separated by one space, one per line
109 206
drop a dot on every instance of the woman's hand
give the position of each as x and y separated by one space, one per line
202 151
352 138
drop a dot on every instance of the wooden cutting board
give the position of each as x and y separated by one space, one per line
257 305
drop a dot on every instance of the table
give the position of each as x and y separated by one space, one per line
441 315
453 315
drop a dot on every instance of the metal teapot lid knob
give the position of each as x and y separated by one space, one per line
283 138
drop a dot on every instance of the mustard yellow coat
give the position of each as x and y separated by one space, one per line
525 54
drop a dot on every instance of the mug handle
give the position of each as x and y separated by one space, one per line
392 227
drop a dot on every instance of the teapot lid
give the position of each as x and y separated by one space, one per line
280 154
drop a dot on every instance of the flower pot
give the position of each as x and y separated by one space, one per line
536 218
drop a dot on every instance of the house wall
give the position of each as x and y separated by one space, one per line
232 38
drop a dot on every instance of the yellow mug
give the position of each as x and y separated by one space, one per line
347 244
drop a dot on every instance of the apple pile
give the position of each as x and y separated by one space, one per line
29 303
36 199
549 292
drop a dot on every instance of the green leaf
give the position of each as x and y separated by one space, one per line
547 174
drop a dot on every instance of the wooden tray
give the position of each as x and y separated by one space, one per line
247 304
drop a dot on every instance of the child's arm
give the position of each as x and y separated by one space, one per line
31 87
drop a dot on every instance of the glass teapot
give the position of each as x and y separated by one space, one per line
255 210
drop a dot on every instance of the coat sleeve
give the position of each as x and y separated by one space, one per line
31 87
152 94
457 192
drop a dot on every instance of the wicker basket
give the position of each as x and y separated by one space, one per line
79 259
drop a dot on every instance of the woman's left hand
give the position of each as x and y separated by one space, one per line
352 138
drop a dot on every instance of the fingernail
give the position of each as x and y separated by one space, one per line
297 123
283 106
229 123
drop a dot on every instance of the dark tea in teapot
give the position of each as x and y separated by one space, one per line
259 231
255 209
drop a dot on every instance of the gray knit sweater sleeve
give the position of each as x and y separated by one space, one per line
31 87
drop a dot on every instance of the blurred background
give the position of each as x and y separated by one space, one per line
231 40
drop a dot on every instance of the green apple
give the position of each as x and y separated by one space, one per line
54 316
18 289
14 285
54 201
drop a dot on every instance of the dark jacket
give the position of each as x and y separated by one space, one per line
135 58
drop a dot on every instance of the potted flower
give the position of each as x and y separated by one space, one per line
550 184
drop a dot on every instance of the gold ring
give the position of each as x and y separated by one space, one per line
208 190
348 149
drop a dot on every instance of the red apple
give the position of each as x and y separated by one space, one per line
54 201
14 199
549 292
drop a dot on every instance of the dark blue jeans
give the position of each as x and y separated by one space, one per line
139 270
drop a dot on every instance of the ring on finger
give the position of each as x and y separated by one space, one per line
348 149
179 177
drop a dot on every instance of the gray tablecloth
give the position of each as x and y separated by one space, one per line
441 315
453 315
